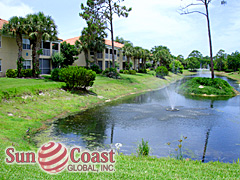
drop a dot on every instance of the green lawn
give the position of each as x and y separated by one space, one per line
232 75
25 108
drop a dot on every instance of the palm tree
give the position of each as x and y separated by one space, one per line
16 26
137 56
145 56
128 51
40 27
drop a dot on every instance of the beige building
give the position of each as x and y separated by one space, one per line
104 58
9 53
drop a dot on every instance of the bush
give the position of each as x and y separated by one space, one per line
11 73
77 77
55 74
161 71
121 71
143 149
96 68
26 72
133 72
111 73
148 65
142 71
126 72
214 86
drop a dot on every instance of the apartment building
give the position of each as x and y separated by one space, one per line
9 53
104 58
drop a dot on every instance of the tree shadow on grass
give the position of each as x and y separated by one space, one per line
80 91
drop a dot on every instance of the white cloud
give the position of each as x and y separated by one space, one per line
9 8
157 22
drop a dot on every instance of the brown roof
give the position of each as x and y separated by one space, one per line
2 21
107 42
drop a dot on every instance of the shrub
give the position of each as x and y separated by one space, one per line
148 70
148 65
26 72
214 86
142 71
11 73
55 74
133 72
96 68
111 73
77 77
143 149
126 72
161 71
121 71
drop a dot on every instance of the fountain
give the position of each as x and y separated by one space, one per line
172 96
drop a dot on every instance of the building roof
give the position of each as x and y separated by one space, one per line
107 42
2 21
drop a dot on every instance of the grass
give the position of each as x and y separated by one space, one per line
232 75
36 111
207 87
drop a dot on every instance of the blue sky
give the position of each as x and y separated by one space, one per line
150 23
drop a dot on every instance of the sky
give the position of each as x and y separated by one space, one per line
150 23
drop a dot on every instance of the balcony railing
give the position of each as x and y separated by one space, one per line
106 56
54 51
46 52
99 55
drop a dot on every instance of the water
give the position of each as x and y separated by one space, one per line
212 126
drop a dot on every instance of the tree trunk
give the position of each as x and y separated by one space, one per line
19 60
34 55
111 24
138 63
95 58
210 40
38 49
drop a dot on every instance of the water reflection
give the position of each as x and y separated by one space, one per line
130 119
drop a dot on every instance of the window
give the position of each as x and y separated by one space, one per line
27 64
0 65
26 44
0 41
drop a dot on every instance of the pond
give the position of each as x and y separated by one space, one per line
212 126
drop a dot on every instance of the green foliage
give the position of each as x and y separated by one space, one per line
142 71
121 71
57 60
126 72
96 68
200 86
220 62
193 63
77 77
26 73
143 149
11 73
69 53
133 72
55 74
162 55
176 67
129 65
111 73
148 65
161 71
233 61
